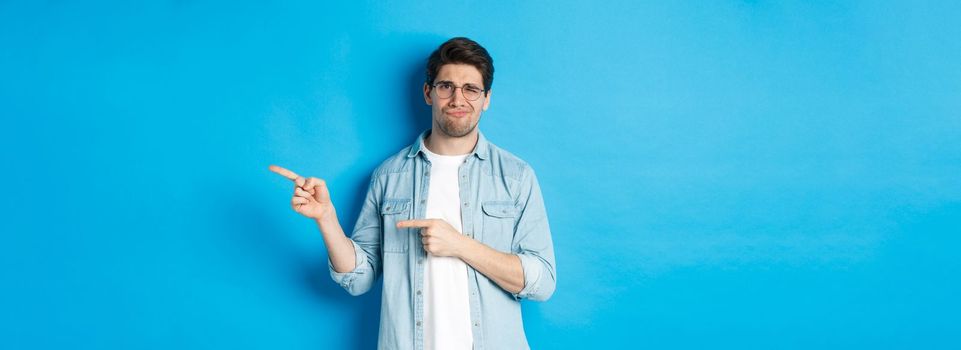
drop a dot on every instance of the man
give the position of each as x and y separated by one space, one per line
456 225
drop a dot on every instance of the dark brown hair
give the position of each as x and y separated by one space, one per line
461 50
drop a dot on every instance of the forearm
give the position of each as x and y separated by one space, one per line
339 248
502 268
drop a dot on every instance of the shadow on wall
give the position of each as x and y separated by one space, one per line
265 238
418 112
251 222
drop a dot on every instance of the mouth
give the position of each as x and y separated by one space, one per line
457 114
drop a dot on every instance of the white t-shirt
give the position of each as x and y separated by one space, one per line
447 322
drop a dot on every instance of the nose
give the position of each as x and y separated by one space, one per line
457 97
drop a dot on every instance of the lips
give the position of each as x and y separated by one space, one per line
459 114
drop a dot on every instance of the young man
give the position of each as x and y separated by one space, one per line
456 225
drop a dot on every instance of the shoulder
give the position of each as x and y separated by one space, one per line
396 163
508 165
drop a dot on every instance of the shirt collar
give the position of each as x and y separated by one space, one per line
481 150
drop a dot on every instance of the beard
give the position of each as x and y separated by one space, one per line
456 128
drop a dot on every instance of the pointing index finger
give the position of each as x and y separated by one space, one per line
292 176
413 223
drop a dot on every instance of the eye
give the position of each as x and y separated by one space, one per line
444 86
472 89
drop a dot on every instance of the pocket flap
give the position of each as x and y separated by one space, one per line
394 206
500 209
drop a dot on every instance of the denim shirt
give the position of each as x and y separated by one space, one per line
502 208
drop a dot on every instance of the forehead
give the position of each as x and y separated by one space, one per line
460 74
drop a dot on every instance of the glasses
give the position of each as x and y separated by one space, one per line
445 89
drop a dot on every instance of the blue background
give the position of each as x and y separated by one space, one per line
718 174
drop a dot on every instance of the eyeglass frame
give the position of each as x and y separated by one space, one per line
482 91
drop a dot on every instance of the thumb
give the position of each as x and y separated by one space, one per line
321 194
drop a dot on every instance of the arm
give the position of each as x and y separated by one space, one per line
340 250
502 268
354 263
364 266
441 239
529 273
533 244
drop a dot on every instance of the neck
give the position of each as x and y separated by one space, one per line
445 145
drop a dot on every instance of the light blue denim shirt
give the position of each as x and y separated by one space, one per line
502 208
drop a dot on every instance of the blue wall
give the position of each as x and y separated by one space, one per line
723 174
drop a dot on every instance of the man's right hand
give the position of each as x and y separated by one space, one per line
311 197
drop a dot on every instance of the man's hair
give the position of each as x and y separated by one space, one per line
461 50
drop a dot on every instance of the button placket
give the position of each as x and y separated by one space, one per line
419 255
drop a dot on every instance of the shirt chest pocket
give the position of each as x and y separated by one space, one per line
499 220
393 210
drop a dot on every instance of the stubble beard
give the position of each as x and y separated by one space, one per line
450 127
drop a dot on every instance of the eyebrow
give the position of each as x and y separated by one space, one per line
452 83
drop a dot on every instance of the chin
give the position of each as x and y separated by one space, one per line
454 131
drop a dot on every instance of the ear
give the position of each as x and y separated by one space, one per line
487 100
427 94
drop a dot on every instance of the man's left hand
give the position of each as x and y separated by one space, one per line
439 237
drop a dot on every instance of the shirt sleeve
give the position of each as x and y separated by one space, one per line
367 246
532 243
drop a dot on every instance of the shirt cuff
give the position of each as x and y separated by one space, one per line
532 275
344 279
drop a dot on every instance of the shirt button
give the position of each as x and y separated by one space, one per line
422 201
477 325
465 204
418 323
418 292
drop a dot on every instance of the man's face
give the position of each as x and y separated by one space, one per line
456 116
